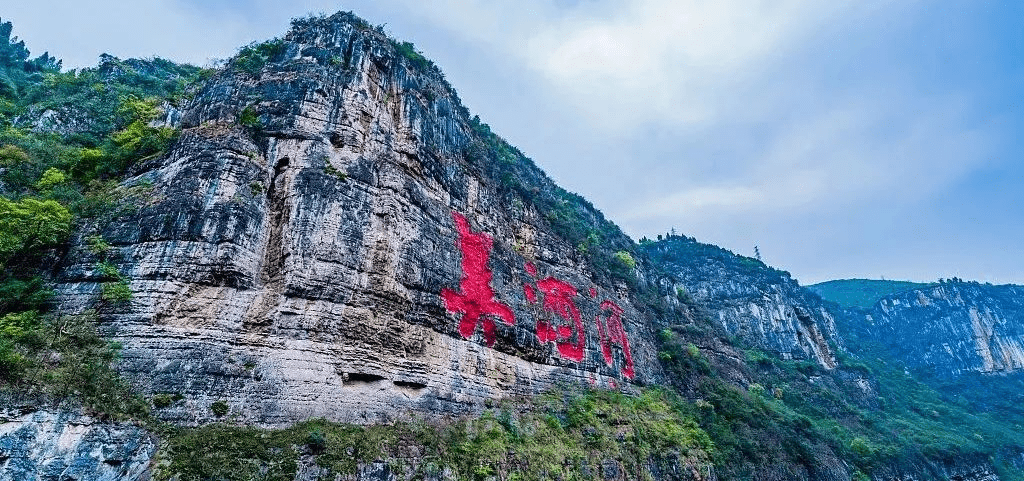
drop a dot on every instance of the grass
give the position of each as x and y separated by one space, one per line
561 435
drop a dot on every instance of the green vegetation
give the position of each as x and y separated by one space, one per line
549 437
64 358
863 293
17 70
61 175
219 408
29 226
685 251
416 59
248 118
331 171
626 259
794 412
163 400
253 57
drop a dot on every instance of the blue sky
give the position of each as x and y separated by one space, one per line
845 138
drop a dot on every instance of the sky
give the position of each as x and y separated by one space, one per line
845 139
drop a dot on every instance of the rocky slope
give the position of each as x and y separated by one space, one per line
329 238
58 445
762 306
948 329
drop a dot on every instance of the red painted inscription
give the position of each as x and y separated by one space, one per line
476 302
611 332
558 300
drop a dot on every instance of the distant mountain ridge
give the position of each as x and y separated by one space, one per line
862 293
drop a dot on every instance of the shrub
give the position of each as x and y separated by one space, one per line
330 170
253 57
30 225
96 245
248 118
219 408
684 296
50 178
626 259
163 400
116 292
415 58
316 441
64 356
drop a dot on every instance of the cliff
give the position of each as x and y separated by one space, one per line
946 330
331 237
761 306
315 264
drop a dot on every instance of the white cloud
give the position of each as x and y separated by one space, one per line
679 62
726 119
863 152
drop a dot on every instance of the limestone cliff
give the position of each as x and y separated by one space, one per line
333 236
762 306
48 445
330 236
947 329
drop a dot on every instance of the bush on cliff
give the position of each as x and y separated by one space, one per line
561 435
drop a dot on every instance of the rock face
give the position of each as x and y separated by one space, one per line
762 306
59 445
948 329
965 469
325 239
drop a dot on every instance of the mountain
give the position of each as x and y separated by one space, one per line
331 236
314 263
864 293
947 329
762 306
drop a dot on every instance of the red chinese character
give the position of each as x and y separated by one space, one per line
558 300
476 301
611 332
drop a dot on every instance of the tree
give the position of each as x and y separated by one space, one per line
757 253
17 70
29 225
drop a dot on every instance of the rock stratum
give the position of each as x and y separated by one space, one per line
947 329
762 306
326 240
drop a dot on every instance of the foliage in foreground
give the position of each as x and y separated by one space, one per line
567 435
67 139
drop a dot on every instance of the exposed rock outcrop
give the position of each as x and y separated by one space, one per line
762 306
954 470
947 329
59 445
291 257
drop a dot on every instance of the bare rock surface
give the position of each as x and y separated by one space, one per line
61 445
949 328
291 257
762 306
